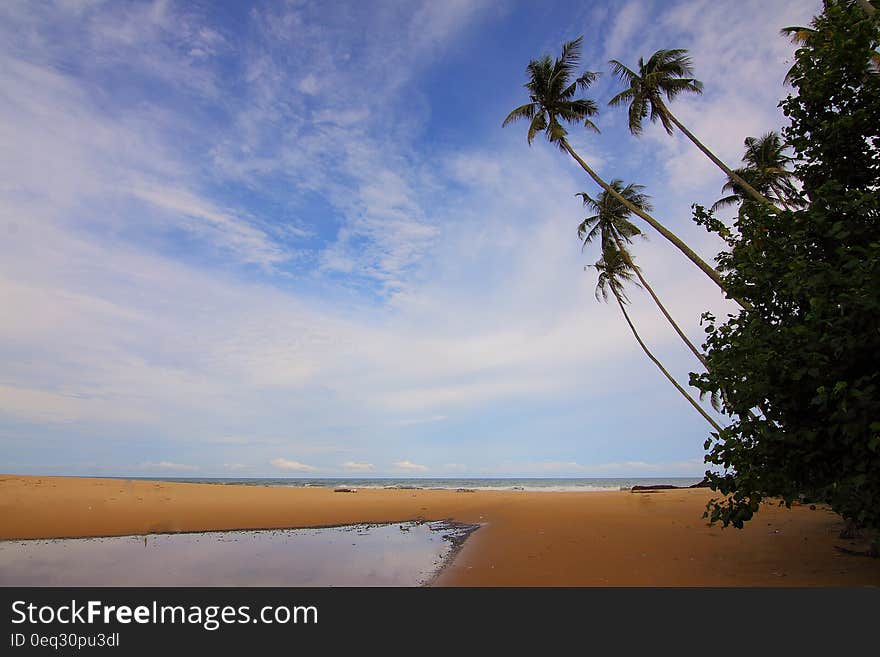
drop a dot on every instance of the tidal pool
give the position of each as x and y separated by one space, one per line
397 554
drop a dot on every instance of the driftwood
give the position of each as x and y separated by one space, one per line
645 489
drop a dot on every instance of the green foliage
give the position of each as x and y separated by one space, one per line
666 73
615 271
800 370
767 171
552 87
611 223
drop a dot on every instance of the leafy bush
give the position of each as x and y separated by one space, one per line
799 370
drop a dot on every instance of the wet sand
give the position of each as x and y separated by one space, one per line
526 538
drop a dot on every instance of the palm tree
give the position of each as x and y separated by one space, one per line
614 271
734 194
667 73
611 225
804 36
552 88
766 170
800 36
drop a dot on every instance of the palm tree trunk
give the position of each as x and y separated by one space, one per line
666 314
746 187
656 299
647 351
656 225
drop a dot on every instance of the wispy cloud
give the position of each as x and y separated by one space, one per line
221 227
739 59
359 467
408 422
409 466
287 464
170 466
276 230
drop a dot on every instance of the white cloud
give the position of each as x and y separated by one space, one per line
626 24
170 466
287 464
227 231
245 440
410 466
410 421
63 406
354 465
470 394
308 85
466 288
741 62
683 468
343 146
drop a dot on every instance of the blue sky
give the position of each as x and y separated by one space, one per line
291 238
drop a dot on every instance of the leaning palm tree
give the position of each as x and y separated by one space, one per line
552 87
733 193
766 170
666 73
611 225
614 271
766 154
799 35
806 36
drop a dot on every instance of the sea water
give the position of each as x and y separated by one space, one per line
581 484
396 554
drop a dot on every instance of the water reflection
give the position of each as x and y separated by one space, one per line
399 554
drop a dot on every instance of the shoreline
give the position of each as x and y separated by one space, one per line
457 544
526 538
460 484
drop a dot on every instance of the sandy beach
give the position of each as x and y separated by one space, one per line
526 538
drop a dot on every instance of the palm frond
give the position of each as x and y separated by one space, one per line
726 201
637 113
614 271
538 124
766 170
623 72
526 111
589 201
570 56
673 87
564 67
555 132
626 231
658 114
589 229
674 62
586 79
798 34
574 111
633 193
624 96
610 223
715 399
552 86
666 73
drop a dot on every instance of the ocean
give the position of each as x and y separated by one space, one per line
541 484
